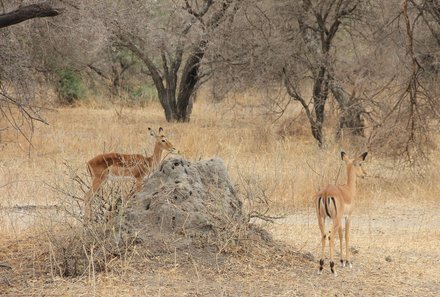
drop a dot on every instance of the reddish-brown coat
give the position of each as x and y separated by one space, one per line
116 164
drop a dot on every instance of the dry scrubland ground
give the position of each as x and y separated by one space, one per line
395 233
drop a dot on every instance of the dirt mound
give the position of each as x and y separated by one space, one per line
186 203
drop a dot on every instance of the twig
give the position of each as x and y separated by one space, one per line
267 218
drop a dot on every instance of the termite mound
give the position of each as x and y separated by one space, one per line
187 204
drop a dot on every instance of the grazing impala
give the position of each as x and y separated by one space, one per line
114 164
336 202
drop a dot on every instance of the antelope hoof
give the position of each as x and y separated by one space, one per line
321 266
342 263
348 264
332 268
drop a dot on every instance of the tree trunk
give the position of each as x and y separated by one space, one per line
116 83
28 12
352 110
190 77
318 26
351 119
170 113
171 87
320 94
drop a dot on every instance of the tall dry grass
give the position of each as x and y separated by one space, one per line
284 170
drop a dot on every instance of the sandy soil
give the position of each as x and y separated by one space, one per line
395 253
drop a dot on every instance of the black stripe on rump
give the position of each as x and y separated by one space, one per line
326 207
319 205
334 203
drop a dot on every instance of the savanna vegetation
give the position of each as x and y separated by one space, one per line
274 88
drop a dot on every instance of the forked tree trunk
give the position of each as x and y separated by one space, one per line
318 28
176 102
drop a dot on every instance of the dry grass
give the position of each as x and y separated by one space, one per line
396 214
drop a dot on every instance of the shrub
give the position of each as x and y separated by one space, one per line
70 86
142 94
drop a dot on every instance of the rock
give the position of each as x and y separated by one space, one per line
309 256
354 250
6 266
388 259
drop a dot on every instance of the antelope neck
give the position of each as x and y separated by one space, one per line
157 154
351 179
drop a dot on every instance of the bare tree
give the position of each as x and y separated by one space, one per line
178 37
415 110
318 23
17 107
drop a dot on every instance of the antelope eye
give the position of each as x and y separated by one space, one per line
163 140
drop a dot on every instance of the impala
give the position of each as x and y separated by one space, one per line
336 202
124 165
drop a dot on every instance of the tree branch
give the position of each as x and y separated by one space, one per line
217 17
201 13
155 74
296 96
28 12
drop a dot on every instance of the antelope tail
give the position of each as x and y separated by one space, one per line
327 204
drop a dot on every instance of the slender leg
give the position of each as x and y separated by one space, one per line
340 245
96 183
321 222
87 206
347 242
137 188
332 244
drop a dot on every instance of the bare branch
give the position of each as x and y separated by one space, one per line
291 90
28 12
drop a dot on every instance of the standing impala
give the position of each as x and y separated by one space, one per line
115 164
336 202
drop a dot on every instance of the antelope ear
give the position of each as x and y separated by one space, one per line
160 131
363 156
151 132
344 156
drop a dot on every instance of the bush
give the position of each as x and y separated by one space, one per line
70 86
142 94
